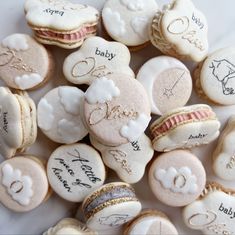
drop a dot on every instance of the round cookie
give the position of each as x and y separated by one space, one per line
177 178
111 206
23 183
128 160
116 109
74 171
215 77
168 83
59 115
24 63
127 21
150 222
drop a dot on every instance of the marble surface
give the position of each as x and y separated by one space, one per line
221 19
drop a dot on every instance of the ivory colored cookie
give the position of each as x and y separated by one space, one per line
177 178
180 30
74 171
116 109
185 127
18 126
59 115
127 21
96 58
23 183
224 153
60 22
150 222
215 77
70 226
168 83
213 212
127 160
111 206
24 63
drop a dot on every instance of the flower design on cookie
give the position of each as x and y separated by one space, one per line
18 186
178 181
134 5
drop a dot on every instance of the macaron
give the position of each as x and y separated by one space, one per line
177 178
24 63
116 109
223 155
23 183
96 58
127 21
111 206
61 23
69 226
168 83
185 127
74 171
127 160
18 122
59 115
150 222
180 30
215 77
213 212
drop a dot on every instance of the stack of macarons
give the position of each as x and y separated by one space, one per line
115 109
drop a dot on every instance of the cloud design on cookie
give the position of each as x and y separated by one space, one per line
117 26
101 91
17 42
27 81
178 181
71 98
140 26
135 128
134 5
18 186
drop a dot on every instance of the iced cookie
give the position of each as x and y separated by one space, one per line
224 153
59 115
215 77
60 22
127 21
69 226
150 222
74 171
185 127
24 63
111 206
168 83
96 58
127 160
23 183
116 109
18 125
180 30
177 178
213 213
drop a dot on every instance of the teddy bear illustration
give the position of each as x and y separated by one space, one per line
224 71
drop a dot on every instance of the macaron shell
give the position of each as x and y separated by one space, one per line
35 192
187 184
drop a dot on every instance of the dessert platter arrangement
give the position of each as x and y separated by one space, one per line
118 114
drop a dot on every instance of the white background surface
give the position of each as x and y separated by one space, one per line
221 20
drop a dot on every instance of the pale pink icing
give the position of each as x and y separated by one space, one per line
82 33
178 119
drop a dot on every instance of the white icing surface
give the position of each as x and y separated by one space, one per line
102 90
18 186
45 115
17 42
135 128
27 81
134 5
139 25
178 181
70 98
68 231
117 25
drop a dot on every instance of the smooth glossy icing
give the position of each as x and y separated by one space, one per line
16 42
